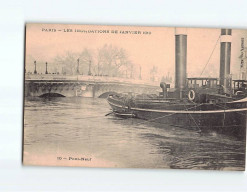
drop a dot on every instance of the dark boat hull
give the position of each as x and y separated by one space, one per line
228 118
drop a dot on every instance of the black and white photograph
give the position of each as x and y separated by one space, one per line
135 97
123 96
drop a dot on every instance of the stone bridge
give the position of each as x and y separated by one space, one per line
84 86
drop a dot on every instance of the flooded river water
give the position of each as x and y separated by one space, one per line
77 132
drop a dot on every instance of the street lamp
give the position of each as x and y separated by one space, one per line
89 70
140 74
46 72
35 71
78 61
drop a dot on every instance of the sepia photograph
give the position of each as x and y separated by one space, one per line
135 97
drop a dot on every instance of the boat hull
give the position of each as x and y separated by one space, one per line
229 118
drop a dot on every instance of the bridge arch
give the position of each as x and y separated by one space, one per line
90 88
105 95
45 95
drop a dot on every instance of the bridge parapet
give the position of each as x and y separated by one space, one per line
87 78
84 86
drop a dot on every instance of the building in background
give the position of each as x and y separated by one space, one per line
243 59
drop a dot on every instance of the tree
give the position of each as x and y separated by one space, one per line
112 61
86 62
108 61
67 62
153 73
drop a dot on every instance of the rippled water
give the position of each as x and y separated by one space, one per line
77 127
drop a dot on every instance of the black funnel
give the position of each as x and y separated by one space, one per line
225 58
181 61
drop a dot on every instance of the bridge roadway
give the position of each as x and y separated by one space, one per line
84 86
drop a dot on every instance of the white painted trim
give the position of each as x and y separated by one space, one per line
117 105
191 112
182 111
226 38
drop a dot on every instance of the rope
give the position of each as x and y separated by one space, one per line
166 115
210 56
176 113
109 113
194 121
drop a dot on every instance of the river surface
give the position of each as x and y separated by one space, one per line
77 132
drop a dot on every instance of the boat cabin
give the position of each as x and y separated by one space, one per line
240 86
202 82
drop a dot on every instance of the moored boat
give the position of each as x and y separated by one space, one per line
195 103
229 116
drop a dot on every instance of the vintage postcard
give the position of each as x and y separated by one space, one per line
135 97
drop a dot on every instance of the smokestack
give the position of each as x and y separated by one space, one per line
225 58
181 59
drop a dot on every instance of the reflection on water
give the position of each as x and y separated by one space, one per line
78 126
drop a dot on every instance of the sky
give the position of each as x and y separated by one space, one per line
156 48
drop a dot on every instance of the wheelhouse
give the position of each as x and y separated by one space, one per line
204 82
239 86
